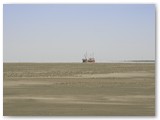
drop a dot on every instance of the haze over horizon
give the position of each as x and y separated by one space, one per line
63 33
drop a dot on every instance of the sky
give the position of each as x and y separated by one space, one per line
64 33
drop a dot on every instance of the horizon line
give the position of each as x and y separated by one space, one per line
111 61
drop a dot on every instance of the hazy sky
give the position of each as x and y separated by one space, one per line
63 33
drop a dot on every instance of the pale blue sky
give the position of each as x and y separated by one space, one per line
63 33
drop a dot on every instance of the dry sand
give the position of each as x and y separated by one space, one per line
113 89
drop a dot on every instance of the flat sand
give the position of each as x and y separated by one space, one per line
75 89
